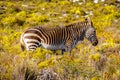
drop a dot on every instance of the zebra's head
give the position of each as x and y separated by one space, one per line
90 33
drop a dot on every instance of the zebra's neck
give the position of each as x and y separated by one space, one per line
79 29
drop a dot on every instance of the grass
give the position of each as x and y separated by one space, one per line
88 63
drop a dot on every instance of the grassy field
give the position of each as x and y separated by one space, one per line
88 63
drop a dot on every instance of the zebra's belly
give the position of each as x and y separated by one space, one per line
52 47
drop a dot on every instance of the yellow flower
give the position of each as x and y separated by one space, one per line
95 56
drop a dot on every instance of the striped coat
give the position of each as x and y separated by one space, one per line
60 38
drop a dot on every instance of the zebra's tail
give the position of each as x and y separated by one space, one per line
22 43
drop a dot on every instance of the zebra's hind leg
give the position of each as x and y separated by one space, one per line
22 47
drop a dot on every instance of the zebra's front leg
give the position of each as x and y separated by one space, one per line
69 46
62 51
68 49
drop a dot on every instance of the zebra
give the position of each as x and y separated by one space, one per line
59 38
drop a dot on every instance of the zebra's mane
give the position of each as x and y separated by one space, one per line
79 24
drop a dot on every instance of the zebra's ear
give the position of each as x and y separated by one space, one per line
88 19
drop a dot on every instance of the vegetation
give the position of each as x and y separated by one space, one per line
87 63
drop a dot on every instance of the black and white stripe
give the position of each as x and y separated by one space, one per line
60 38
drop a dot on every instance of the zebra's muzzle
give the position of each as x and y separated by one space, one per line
94 43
